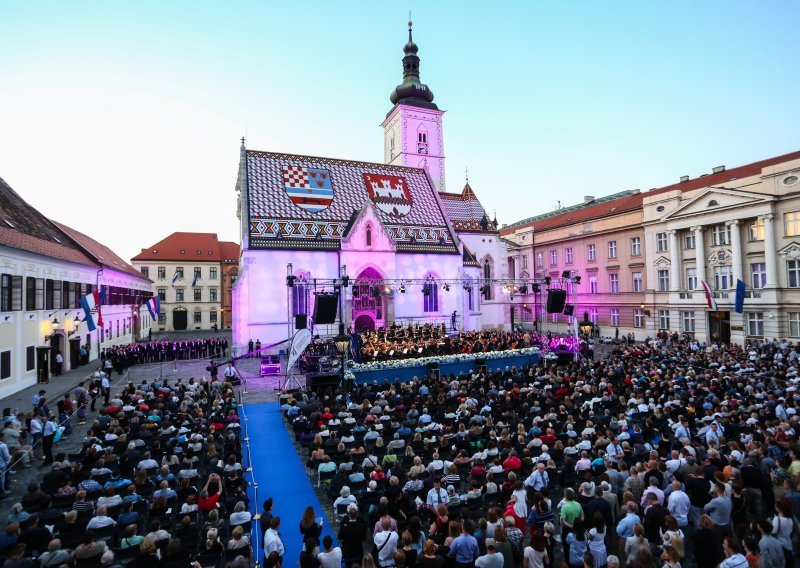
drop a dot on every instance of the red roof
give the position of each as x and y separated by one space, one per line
634 202
229 251
184 247
101 253
464 210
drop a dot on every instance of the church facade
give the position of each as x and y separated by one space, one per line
410 251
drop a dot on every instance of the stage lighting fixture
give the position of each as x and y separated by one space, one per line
402 288
536 288
446 287
547 281
576 279
566 274
523 289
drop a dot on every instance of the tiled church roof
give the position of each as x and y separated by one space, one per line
304 202
465 211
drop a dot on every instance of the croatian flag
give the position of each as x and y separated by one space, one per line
91 307
174 278
712 303
196 276
154 307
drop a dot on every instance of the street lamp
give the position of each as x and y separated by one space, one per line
54 324
342 342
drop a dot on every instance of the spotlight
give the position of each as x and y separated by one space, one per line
547 281
426 290
402 288
566 274
536 288
523 289
576 279
290 280
446 287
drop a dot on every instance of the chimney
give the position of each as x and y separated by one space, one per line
588 198
684 178
718 169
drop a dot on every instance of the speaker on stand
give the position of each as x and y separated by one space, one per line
556 298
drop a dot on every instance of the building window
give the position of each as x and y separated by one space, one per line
661 242
615 317
234 277
636 246
688 322
145 270
554 318
162 272
10 293
691 278
794 324
524 262
5 364
638 317
593 284
755 231
52 294
198 316
791 223
487 275
212 292
198 273
179 272
613 283
593 315
539 260
198 294
213 316
663 280
553 257
430 297
722 277
720 235
179 295
612 249
368 236
212 273
663 319
162 294
637 282
591 253
755 324
391 147
30 358
793 271
688 241
34 293
568 255
758 272
162 318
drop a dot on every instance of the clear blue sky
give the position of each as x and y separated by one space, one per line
123 119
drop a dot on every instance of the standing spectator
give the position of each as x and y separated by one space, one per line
386 543
330 557
464 548
352 532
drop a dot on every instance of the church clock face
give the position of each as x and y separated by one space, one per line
422 147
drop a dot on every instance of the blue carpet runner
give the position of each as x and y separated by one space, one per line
280 474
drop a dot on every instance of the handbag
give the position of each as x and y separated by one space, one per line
376 550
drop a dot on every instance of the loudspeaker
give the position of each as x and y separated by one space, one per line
556 298
316 382
569 309
301 321
325 306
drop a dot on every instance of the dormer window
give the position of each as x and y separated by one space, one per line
713 203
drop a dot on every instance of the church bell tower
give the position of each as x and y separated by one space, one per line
412 131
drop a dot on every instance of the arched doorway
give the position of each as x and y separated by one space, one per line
369 300
180 319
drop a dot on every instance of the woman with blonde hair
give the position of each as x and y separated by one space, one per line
635 542
238 539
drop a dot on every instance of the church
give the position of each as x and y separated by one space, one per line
411 252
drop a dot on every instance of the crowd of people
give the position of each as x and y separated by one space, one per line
664 454
120 357
158 481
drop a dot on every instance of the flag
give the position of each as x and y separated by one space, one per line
712 303
740 291
196 276
154 307
174 278
91 307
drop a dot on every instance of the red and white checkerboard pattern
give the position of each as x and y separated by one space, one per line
296 176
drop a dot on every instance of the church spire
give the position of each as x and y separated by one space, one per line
411 91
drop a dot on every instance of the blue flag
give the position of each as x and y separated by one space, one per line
174 278
196 276
740 291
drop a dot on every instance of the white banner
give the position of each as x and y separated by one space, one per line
301 340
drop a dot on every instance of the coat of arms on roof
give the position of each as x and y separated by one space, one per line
389 193
308 188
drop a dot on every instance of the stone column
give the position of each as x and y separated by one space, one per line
736 249
770 250
700 249
675 261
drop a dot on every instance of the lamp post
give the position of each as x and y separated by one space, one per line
342 342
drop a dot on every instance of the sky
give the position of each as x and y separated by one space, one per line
123 119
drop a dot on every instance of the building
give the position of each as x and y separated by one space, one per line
730 224
191 273
594 251
413 252
230 272
642 256
45 270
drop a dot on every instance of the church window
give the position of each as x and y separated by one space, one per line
391 147
422 142
368 236
487 275
430 296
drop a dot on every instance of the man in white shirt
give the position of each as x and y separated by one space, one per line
678 504
386 543
330 557
436 496
614 451
100 520
537 480
272 540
